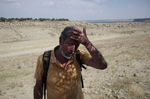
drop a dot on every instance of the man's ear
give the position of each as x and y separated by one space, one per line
60 40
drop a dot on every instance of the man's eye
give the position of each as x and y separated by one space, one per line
69 44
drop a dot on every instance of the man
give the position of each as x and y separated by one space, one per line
64 74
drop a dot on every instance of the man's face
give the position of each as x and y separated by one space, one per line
68 47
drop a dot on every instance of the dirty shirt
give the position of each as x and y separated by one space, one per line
63 82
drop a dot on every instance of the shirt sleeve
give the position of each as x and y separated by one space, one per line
39 69
85 57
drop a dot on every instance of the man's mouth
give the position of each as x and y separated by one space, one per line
71 52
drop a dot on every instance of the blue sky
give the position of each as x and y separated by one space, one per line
75 9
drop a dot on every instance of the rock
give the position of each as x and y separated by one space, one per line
96 92
134 75
103 87
109 84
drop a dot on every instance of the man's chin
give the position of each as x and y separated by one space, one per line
66 56
69 56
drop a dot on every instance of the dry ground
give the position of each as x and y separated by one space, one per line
125 46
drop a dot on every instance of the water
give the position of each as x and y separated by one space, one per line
110 21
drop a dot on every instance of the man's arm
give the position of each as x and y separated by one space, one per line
38 90
97 60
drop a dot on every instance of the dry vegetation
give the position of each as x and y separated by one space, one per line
125 46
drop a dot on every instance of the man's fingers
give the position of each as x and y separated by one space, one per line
74 33
74 36
77 30
84 30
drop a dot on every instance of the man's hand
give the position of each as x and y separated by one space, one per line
79 36
97 60
38 90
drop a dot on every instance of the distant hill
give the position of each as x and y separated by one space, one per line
142 20
119 20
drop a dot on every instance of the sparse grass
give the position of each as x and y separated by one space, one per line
15 73
20 84
12 85
124 83
136 91
126 55
0 92
124 62
6 74
19 67
127 86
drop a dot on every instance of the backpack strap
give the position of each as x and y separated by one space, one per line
78 58
46 62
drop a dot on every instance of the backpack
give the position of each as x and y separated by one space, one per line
46 62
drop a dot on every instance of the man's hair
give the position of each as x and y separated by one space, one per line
65 32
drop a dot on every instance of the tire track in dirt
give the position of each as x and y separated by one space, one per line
29 51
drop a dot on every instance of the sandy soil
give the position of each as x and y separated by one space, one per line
125 46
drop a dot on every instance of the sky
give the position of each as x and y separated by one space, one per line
75 9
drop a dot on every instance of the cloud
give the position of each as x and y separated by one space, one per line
130 6
9 3
99 1
76 5
91 11
50 3
73 9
